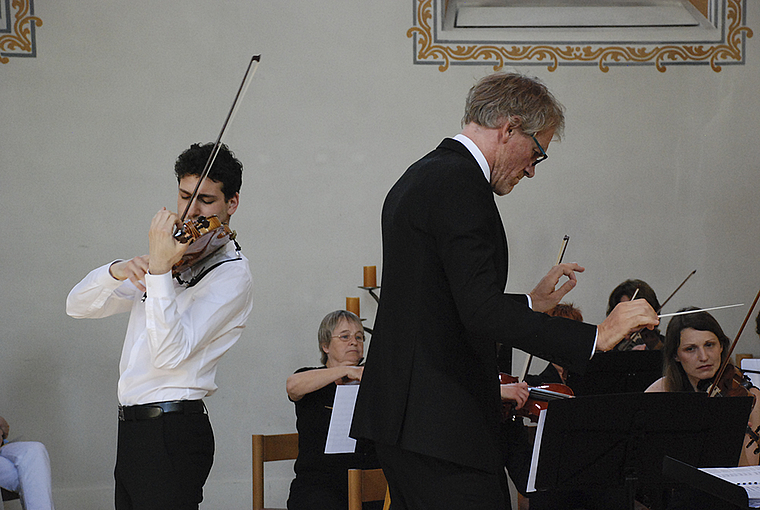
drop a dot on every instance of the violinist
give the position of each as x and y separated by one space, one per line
178 330
321 481
695 347
648 339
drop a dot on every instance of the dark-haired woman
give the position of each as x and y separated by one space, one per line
695 347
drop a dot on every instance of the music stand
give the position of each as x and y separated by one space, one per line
619 441
617 372
728 492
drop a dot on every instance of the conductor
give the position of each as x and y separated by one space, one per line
429 397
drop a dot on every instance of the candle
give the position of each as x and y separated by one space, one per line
352 305
370 276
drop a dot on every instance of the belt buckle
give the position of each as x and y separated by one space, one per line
152 412
121 413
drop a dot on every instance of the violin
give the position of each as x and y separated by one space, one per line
733 383
729 381
205 236
538 398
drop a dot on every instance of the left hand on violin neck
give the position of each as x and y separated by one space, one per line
165 250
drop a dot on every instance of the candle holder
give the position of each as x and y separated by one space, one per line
371 291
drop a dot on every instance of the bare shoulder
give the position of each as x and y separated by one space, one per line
657 386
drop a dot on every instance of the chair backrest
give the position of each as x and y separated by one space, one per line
365 485
267 449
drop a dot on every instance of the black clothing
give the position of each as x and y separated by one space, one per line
321 481
430 384
162 463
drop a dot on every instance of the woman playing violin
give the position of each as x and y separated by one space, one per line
695 347
321 481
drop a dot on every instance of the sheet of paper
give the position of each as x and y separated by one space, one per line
536 451
747 477
338 440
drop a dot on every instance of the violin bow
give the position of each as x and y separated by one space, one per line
247 77
560 256
674 292
712 390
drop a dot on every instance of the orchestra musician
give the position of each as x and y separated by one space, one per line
178 330
430 397
651 340
695 347
321 481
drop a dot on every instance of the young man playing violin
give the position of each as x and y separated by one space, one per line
180 325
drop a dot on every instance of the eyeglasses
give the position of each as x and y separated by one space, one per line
543 154
346 337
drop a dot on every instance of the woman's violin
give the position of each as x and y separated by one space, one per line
730 382
538 398
733 383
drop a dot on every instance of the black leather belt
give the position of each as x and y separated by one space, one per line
156 409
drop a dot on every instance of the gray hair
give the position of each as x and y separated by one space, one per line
328 325
524 102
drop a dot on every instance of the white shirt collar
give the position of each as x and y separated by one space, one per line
475 151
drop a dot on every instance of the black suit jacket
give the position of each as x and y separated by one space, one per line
430 382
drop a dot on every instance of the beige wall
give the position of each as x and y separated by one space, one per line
657 175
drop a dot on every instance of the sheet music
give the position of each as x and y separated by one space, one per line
338 440
536 450
747 477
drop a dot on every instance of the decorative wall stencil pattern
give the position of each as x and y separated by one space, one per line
17 29
432 47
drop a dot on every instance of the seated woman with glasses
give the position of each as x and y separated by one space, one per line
321 480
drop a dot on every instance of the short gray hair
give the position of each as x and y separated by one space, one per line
328 325
510 97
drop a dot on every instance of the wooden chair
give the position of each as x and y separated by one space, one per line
268 449
367 485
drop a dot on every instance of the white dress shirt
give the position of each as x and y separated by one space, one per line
176 335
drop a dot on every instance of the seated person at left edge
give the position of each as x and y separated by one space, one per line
321 481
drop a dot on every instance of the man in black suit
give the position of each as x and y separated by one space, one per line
430 396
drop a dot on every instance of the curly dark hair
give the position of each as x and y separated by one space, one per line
226 168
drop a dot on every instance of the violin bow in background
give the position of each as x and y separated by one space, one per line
634 338
560 256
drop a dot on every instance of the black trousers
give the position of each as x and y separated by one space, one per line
419 482
162 463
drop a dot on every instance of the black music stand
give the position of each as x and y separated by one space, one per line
616 443
617 372
726 491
